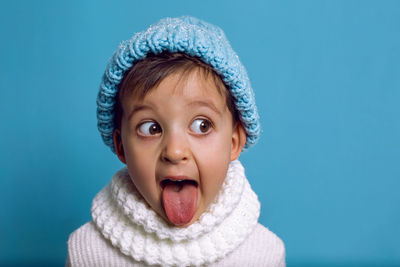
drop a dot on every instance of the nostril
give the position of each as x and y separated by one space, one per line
175 149
174 156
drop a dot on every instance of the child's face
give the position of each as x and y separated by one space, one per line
181 130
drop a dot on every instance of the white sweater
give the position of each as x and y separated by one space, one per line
126 232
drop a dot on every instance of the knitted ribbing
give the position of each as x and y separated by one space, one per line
125 219
87 247
195 38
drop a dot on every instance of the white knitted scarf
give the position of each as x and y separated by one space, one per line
125 219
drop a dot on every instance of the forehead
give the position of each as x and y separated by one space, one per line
194 83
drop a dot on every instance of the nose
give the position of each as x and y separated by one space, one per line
175 149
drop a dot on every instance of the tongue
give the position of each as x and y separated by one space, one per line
180 201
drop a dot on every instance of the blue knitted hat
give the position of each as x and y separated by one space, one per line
195 38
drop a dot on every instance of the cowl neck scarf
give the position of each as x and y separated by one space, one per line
125 219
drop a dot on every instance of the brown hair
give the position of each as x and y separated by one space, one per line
149 72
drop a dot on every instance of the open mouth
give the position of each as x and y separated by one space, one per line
177 185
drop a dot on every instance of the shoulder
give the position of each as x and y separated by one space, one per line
83 232
87 247
266 246
262 235
83 239
81 243
261 248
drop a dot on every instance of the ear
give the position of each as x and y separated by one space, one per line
119 148
238 141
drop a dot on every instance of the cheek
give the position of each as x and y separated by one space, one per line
212 177
140 156
139 168
141 174
213 157
141 165
216 146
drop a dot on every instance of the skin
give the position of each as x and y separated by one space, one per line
182 128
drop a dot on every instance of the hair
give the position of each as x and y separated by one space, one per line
152 70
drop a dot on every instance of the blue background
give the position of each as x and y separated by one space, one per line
327 80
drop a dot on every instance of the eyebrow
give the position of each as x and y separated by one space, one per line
138 108
195 103
208 104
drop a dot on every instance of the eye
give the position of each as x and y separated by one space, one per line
149 128
201 126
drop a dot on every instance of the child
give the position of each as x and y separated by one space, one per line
176 106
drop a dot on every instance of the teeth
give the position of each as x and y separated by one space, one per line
166 181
